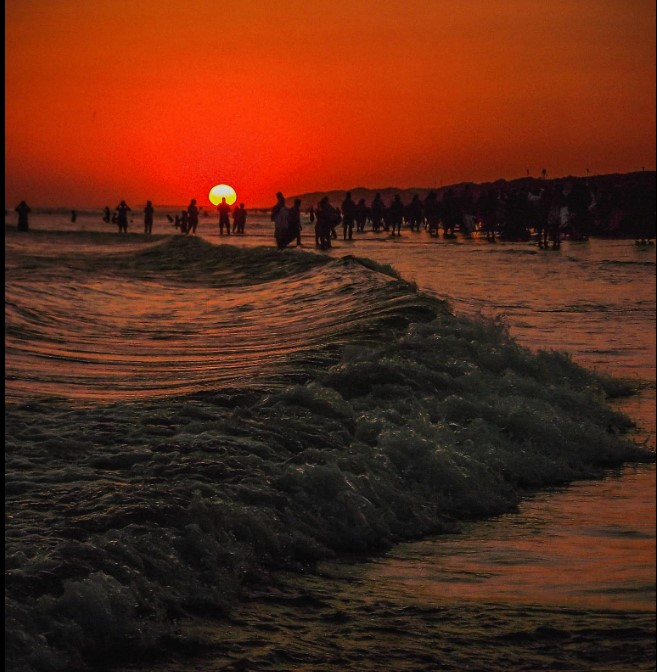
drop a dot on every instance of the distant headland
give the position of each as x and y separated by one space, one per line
621 181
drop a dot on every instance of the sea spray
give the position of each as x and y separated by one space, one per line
400 421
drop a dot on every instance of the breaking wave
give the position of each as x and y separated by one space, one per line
186 418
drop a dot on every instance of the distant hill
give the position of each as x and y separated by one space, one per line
601 182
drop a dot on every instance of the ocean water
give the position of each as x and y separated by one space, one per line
198 435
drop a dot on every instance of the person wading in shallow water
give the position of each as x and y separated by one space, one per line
396 214
294 222
224 217
23 210
192 217
431 209
376 212
122 210
239 219
348 217
326 216
361 215
415 214
488 207
279 214
148 217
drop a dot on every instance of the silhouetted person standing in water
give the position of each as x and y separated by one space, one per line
224 217
279 215
184 218
335 220
432 213
23 210
148 217
325 217
192 217
122 210
294 222
451 214
313 218
556 201
578 201
107 216
236 216
348 217
74 216
239 219
396 214
376 210
361 215
467 212
488 212
415 213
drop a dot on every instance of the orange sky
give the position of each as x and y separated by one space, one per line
162 99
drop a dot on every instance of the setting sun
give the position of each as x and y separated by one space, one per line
220 191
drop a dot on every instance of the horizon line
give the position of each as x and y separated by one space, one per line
363 188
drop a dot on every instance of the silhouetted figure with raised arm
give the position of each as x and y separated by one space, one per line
122 210
224 217
148 217
396 214
23 210
192 216
348 217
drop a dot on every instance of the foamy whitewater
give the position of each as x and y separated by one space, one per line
199 435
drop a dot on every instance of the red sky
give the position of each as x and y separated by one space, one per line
162 99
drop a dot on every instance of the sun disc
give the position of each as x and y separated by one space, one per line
220 191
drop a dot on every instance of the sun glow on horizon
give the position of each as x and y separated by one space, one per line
220 191
581 82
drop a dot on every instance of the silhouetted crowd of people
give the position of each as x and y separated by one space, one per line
546 210
550 212
187 221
